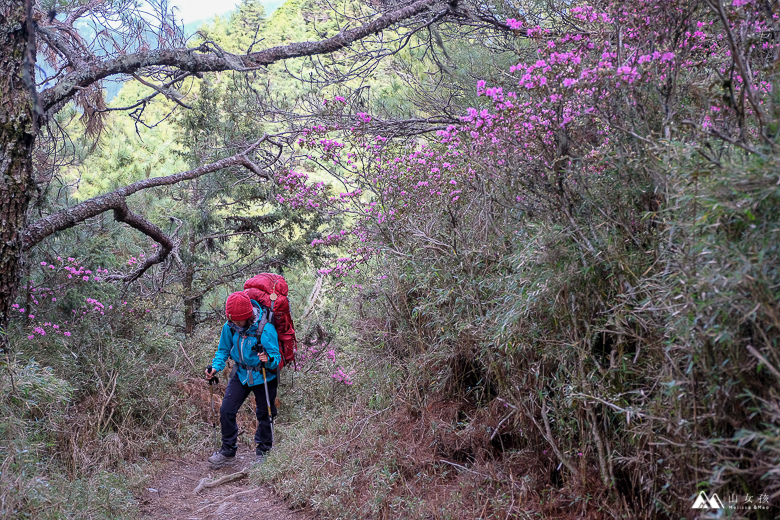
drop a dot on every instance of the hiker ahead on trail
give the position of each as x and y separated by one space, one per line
250 340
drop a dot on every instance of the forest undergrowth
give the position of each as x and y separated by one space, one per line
623 385
571 297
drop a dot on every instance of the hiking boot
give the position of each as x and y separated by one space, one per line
260 456
220 459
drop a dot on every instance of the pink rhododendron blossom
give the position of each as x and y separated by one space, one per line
514 24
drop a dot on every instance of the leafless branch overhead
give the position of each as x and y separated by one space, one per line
206 58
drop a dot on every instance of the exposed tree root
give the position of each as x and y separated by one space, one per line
223 500
206 483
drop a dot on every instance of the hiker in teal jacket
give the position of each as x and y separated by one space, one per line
239 342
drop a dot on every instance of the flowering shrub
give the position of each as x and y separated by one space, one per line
548 249
343 377
550 137
103 345
320 358
56 294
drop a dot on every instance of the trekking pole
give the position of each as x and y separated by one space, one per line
213 381
272 297
268 403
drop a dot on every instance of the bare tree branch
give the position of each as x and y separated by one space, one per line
69 217
205 58
123 214
162 90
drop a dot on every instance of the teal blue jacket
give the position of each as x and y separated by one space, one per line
238 346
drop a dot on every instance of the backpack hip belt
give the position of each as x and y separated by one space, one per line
253 368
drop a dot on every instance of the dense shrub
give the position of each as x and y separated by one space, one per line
586 268
92 385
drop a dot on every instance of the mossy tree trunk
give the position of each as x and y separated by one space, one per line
17 138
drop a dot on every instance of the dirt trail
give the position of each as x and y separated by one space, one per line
171 496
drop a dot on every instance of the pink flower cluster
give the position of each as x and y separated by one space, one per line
343 377
53 328
297 193
576 86
133 260
514 24
64 275
74 268
330 239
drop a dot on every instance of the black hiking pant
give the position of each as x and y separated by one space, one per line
235 395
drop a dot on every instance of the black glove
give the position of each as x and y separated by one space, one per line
214 379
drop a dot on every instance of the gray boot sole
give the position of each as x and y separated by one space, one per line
228 462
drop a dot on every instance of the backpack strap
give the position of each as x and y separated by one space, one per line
252 369
273 298
267 317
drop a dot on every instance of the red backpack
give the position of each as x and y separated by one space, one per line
270 290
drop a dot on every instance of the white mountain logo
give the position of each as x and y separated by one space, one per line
702 502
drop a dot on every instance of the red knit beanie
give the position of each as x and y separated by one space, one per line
239 307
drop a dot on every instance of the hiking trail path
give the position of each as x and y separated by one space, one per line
170 494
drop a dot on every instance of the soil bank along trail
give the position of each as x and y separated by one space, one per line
172 495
